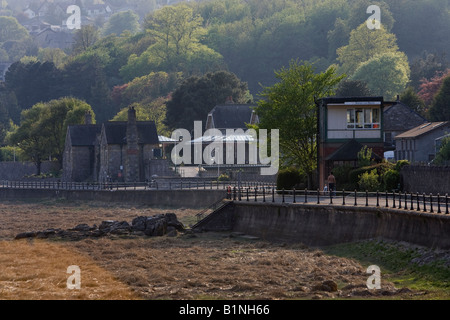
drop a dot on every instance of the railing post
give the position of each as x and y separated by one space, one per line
283 195
256 195
439 203
399 199
264 194
306 195
393 199
418 202
318 196
446 203
234 193
378 199
273 194
356 201
387 204
424 203
343 197
406 202
431 203
411 207
247 194
367 198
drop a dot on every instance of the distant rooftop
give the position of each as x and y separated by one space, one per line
422 129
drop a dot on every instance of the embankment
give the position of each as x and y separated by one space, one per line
158 198
322 225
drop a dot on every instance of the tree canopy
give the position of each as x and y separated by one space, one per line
289 105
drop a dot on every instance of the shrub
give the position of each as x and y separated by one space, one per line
391 180
369 181
289 179
380 168
224 177
399 165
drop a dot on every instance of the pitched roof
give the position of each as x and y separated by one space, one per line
349 152
400 117
116 132
232 116
84 135
422 129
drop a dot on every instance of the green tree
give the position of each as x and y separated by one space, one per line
410 98
440 109
121 22
353 88
176 32
443 156
385 74
84 38
289 105
365 44
11 30
150 111
196 96
28 137
43 127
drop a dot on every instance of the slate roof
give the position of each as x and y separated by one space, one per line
116 132
400 117
84 135
232 116
349 152
422 129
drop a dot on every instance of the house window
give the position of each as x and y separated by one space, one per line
360 118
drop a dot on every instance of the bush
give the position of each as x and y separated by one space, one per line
7 154
224 177
289 179
380 168
391 180
369 181
400 163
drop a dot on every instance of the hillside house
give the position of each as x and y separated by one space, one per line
398 118
345 125
114 151
418 145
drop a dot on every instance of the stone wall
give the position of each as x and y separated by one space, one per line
426 179
194 199
15 171
320 225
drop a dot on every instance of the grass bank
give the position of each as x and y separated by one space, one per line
405 265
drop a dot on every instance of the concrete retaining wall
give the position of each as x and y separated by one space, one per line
159 198
319 225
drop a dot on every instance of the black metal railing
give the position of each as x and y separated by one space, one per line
169 184
395 200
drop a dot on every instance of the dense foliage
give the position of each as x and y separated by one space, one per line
112 61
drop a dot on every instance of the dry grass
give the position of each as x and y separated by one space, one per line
206 266
38 270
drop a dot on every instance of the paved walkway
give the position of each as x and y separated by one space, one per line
418 203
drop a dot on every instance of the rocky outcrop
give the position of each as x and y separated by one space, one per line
153 226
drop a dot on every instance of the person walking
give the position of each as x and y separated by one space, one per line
332 183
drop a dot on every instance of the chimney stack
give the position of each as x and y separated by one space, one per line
87 118
132 160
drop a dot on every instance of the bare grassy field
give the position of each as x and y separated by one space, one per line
190 266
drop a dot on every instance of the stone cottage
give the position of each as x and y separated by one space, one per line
113 151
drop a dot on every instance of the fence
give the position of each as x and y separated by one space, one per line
153 185
396 200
